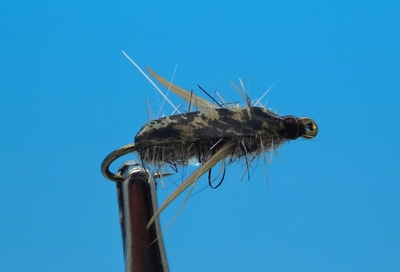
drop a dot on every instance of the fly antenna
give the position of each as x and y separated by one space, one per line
152 83
258 102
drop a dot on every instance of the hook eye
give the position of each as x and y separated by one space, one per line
310 127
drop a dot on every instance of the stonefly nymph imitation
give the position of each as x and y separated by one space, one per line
214 133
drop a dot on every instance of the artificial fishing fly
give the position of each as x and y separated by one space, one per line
213 134
210 135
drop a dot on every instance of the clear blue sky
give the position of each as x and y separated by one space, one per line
69 97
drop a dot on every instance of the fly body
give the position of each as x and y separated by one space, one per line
178 138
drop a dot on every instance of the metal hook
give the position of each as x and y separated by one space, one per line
111 158
119 177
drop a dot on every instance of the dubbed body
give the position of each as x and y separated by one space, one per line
178 138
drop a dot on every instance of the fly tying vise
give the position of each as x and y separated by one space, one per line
214 133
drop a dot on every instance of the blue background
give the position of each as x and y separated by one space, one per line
69 97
